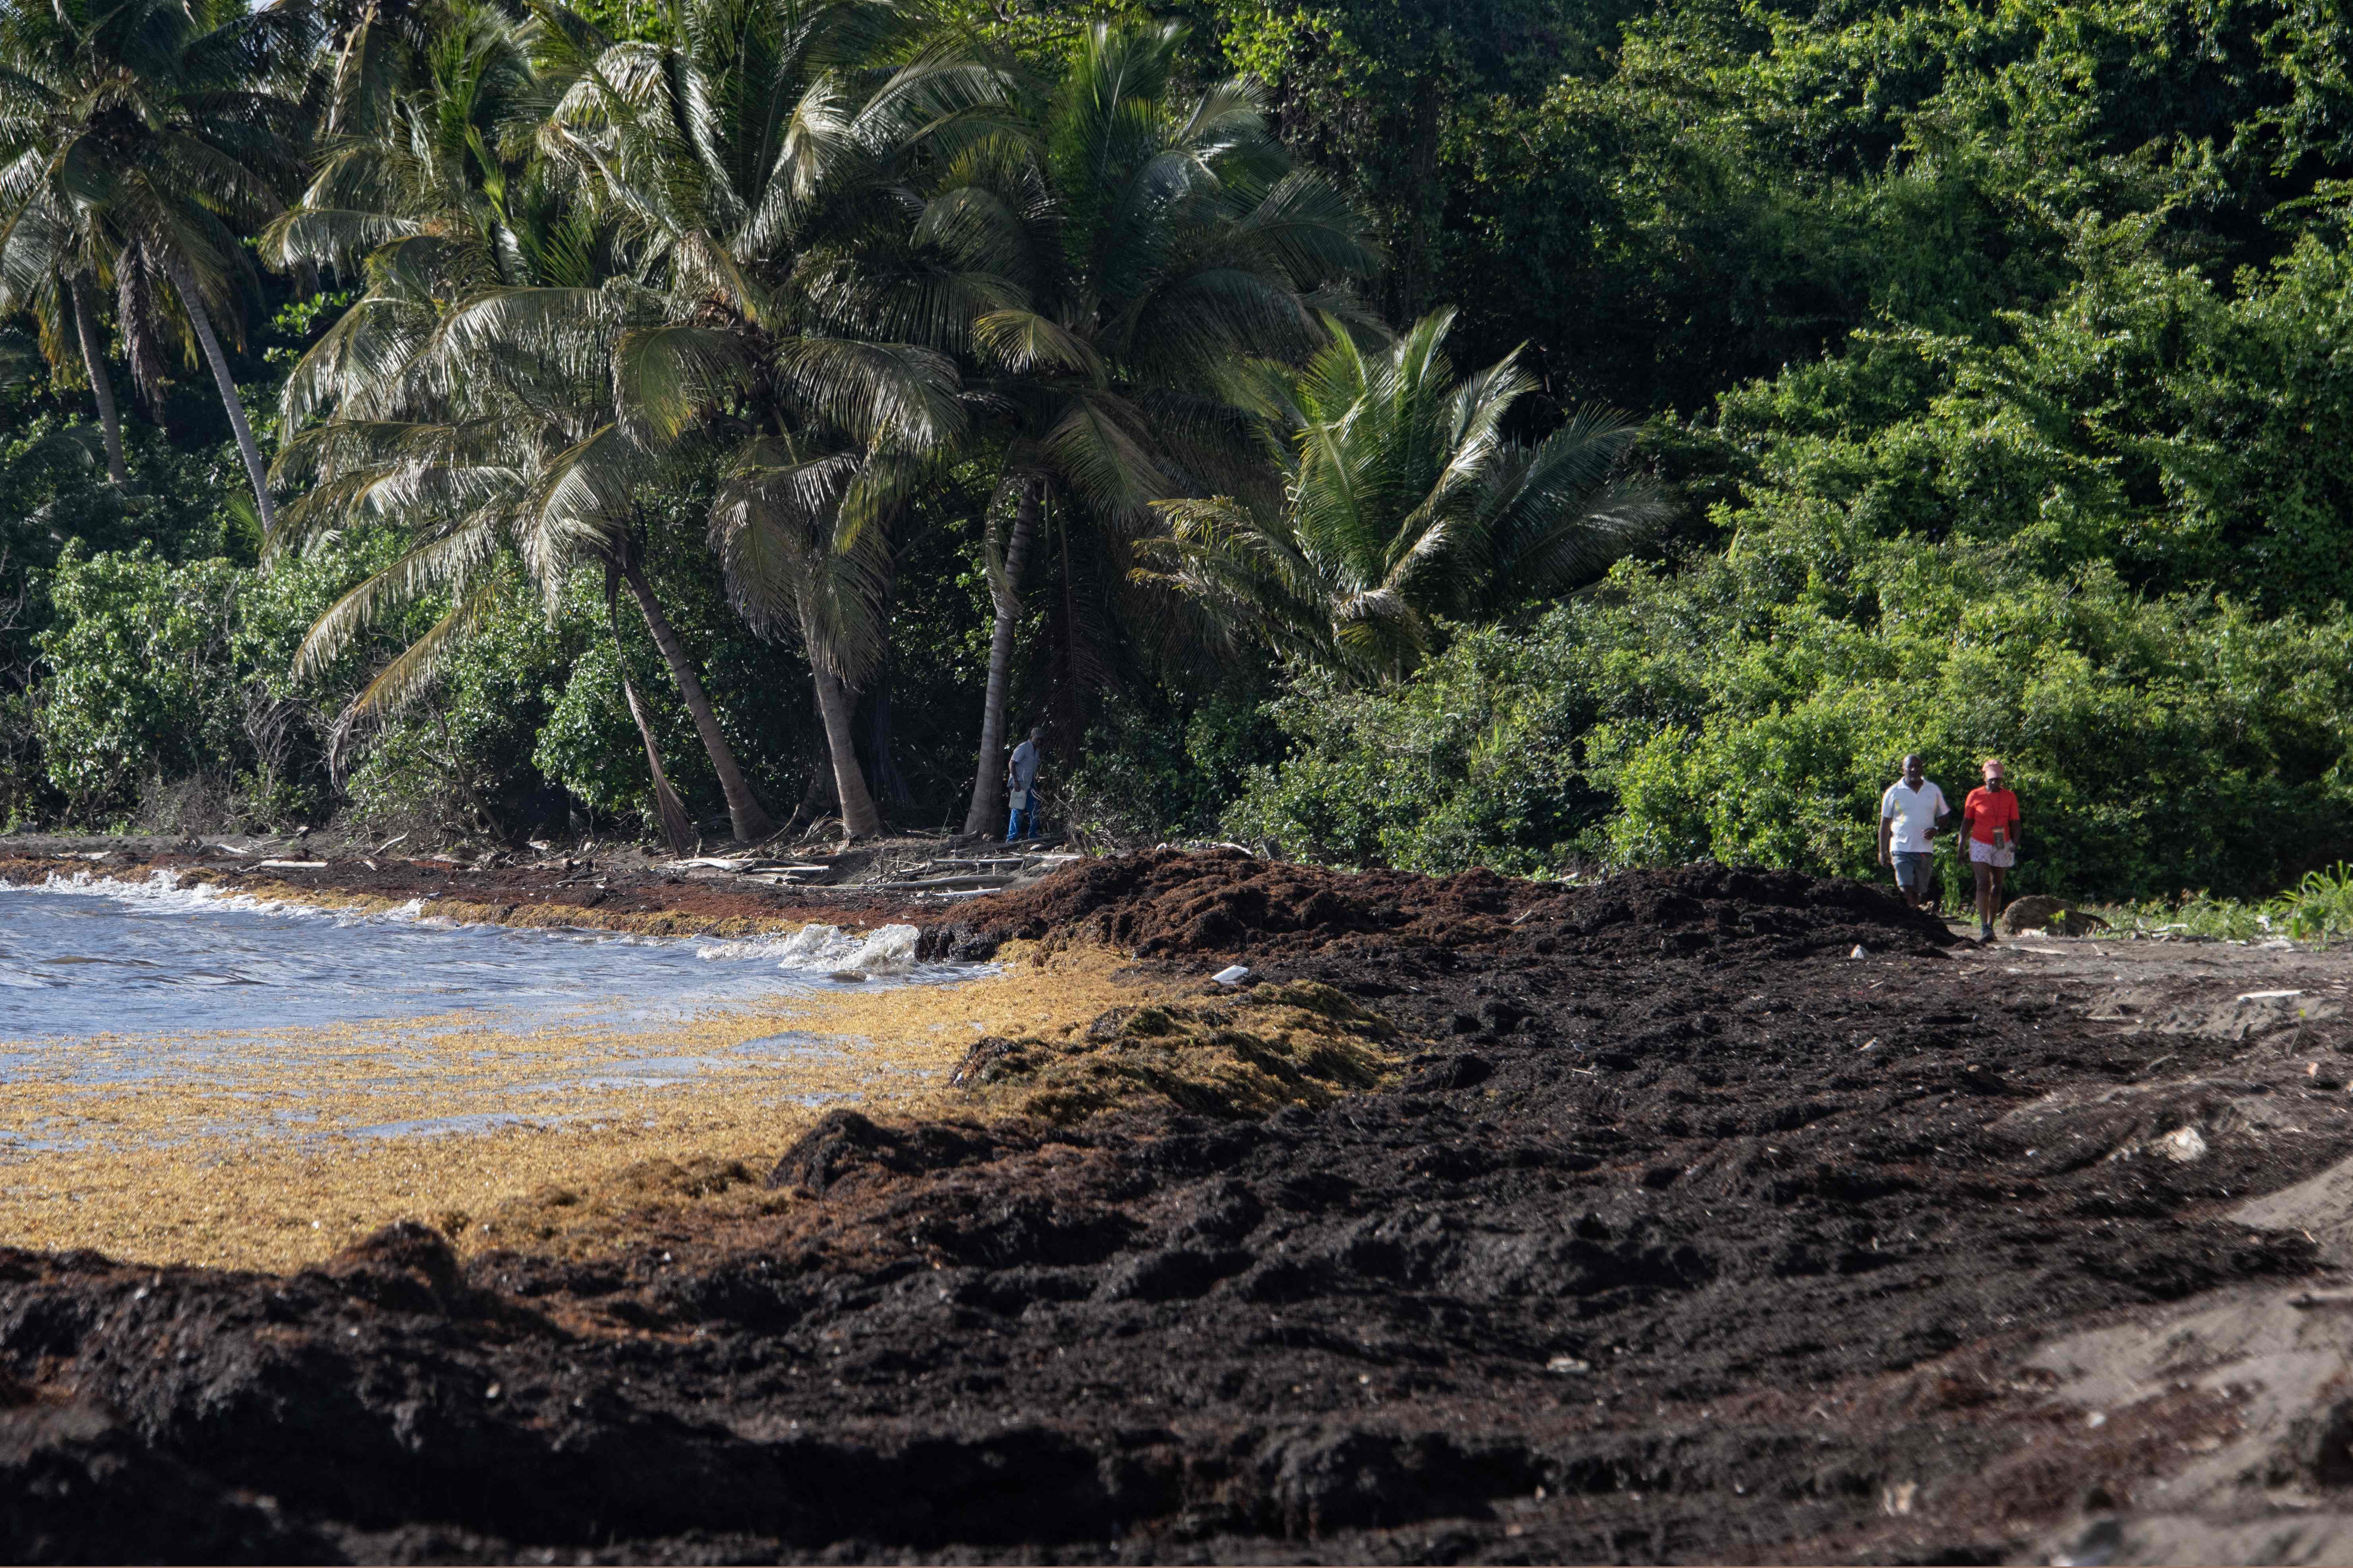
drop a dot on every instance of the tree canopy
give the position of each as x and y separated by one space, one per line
1533 433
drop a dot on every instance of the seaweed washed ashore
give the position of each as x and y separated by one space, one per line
1695 1216
189 1075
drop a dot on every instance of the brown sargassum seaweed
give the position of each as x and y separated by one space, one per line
1265 1047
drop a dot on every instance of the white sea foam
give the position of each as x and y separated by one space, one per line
762 948
886 950
162 891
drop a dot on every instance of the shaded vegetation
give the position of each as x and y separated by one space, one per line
1988 367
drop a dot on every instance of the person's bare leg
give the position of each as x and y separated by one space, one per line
1994 897
1985 875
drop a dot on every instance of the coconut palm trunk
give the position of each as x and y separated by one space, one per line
175 268
744 810
676 827
988 812
834 702
93 359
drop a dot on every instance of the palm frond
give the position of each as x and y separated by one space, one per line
411 673
1101 450
433 566
1025 341
664 376
890 395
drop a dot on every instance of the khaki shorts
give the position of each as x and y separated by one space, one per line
1982 854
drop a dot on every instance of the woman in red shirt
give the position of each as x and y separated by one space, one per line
1990 818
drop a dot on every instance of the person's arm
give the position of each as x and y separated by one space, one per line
2015 838
1884 826
1936 823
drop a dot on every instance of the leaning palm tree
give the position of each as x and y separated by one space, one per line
1402 502
768 152
486 429
1154 240
160 133
497 444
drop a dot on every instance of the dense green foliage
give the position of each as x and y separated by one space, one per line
1994 358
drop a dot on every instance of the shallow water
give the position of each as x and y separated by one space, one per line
154 959
192 1076
144 1014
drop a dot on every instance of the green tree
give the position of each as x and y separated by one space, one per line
46 271
1153 241
767 149
1402 502
485 426
152 137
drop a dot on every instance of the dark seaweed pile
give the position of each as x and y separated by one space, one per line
1675 1239
1171 903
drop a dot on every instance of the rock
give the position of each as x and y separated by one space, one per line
2041 912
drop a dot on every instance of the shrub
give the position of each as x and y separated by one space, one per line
169 685
1152 769
2157 744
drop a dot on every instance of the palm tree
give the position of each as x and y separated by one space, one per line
509 452
1402 501
156 133
1152 241
486 429
445 161
45 272
768 152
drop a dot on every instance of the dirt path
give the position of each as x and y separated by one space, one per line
1700 1215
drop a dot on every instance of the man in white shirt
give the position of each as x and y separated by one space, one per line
1020 785
1908 815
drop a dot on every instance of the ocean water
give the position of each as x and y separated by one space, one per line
88 958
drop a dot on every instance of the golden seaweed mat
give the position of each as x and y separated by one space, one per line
274 1148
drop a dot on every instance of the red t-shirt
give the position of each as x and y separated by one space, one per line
1987 809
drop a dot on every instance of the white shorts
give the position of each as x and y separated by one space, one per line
1982 854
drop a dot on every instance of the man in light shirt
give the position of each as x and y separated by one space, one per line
1908 815
1020 788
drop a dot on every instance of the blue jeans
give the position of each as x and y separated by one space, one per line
1022 824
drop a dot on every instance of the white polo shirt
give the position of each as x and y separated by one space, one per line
1913 812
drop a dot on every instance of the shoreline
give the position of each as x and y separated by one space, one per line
618 896
1695 1216
496 1132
